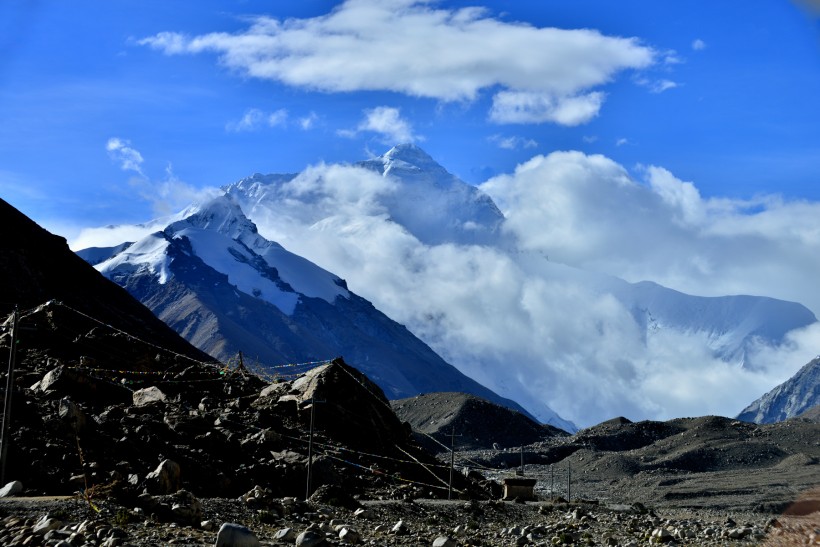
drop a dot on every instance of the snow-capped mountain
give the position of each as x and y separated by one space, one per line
437 255
433 252
412 190
789 399
225 288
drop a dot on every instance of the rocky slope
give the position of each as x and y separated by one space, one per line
37 266
477 423
794 396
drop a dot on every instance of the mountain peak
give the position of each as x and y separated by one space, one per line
221 214
410 153
409 156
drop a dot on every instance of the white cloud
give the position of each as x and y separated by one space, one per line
307 122
557 337
662 85
129 158
410 47
110 236
698 44
254 119
387 122
278 118
171 194
513 142
531 107
586 210
623 141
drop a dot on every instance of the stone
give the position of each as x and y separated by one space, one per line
147 396
363 513
71 414
46 524
310 538
399 528
235 535
11 489
350 535
285 534
661 535
164 479
444 541
186 508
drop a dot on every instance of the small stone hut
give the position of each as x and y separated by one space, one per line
519 487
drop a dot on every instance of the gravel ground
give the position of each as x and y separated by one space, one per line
421 522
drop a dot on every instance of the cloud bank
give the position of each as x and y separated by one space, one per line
530 318
410 47
533 324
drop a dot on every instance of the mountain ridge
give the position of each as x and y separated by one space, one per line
227 295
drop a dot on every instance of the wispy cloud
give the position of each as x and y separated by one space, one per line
513 142
698 44
166 195
254 119
662 85
366 45
128 158
309 121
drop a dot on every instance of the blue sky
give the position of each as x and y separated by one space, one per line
118 111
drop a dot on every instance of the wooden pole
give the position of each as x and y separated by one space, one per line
5 437
310 446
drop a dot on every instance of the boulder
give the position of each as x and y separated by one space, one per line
147 396
72 415
186 508
235 535
164 479
350 535
310 538
11 489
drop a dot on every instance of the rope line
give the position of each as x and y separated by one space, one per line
151 344
397 477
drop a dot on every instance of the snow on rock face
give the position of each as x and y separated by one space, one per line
147 255
434 205
789 399
227 241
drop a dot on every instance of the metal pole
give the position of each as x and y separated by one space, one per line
552 481
569 481
452 462
310 446
5 438
522 461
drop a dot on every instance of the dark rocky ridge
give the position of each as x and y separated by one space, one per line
37 266
478 423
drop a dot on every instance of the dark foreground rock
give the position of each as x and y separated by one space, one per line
424 522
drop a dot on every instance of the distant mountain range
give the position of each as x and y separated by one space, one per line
212 277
